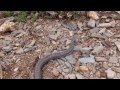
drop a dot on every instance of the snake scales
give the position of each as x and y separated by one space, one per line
43 61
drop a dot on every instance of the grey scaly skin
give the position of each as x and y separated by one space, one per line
39 65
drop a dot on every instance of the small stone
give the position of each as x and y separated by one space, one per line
16 69
19 50
97 74
91 23
118 45
54 37
79 76
87 60
66 70
80 25
55 72
100 59
113 59
7 48
116 69
110 74
61 77
94 30
83 69
98 49
38 27
106 25
72 76
70 59
105 65
93 15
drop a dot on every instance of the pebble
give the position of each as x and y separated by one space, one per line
54 37
85 60
7 48
55 72
97 74
105 65
106 25
72 76
113 59
66 70
110 74
80 25
91 23
117 44
100 59
19 50
116 69
79 76
83 69
93 15
70 59
98 49
94 30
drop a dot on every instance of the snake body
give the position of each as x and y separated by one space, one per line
54 56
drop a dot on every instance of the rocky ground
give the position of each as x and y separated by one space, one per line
95 56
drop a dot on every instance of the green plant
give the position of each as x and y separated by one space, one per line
22 16
8 13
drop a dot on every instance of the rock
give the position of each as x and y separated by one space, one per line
83 69
55 72
118 45
98 49
70 59
66 70
110 74
38 27
91 23
106 25
113 59
71 25
105 65
116 69
79 76
54 37
72 76
7 26
31 44
7 48
118 12
19 50
87 60
29 49
80 25
97 74
61 77
77 66
94 30
68 64
100 59
93 15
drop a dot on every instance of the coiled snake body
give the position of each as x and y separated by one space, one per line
43 61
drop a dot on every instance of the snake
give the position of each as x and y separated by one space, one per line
39 65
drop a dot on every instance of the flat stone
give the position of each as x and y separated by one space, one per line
79 76
70 59
100 59
91 23
113 59
85 60
116 69
110 74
